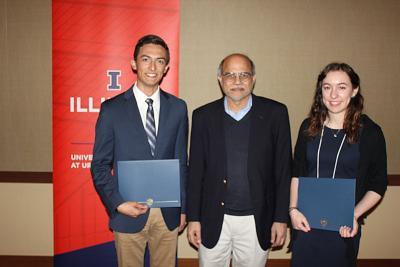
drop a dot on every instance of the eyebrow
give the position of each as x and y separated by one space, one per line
338 83
142 56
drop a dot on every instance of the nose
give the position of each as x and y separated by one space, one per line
152 65
237 79
334 93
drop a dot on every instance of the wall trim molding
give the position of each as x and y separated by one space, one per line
47 177
26 177
394 180
47 261
31 261
286 262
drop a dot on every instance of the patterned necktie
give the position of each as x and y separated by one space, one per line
150 126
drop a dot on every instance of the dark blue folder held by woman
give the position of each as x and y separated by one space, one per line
327 203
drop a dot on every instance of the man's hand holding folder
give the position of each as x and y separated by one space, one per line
133 209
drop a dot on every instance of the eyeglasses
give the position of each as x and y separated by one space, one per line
243 76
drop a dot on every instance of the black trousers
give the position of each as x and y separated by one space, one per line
319 248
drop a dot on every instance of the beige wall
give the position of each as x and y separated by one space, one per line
25 95
26 224
290 42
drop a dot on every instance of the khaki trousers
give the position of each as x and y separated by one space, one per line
162 244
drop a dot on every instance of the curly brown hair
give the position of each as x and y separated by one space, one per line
319 112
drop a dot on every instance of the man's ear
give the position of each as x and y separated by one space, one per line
166 69
133 64
219 79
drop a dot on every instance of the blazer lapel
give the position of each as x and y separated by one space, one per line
133 115
257 121
218 132
163 120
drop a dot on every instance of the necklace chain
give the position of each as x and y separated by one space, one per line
335 134
337 155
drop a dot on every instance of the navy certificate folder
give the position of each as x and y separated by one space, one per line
152 182
327 203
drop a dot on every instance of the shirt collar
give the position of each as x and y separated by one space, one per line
241 113
141 97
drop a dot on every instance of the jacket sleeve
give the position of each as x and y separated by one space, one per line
283 162
181 154
300 151
102 163
377 171
196 169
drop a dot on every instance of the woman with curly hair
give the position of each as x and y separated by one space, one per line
337 138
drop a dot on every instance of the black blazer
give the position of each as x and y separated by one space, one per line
269 168
120 135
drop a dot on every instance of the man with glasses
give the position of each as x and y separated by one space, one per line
239 172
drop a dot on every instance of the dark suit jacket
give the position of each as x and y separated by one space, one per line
269 163
120 135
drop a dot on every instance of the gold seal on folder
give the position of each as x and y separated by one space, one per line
149 202
324 222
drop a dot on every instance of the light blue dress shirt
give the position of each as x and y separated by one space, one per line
241 113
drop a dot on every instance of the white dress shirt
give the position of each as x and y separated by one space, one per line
142 105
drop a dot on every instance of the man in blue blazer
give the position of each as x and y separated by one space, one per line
239 172
143 123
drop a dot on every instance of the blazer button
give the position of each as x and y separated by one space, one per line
222 203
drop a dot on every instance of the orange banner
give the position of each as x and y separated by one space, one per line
93 44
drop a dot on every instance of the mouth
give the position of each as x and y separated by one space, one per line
334 103
151 75
237 89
